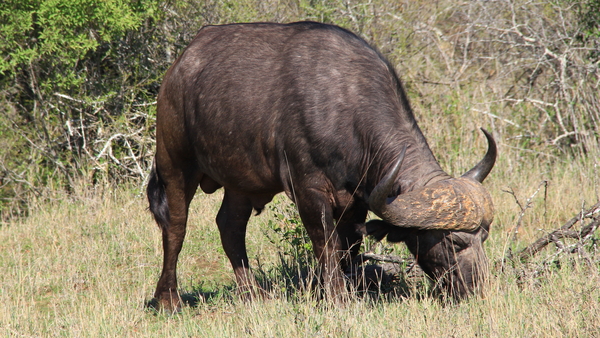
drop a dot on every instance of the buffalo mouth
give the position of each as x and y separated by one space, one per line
456 261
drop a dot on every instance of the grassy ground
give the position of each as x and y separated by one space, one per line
85 265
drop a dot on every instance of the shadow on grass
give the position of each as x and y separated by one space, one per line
296 280
198 296
371 282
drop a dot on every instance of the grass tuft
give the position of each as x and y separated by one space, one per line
87 264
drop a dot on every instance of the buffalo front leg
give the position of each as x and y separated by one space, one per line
350 218
317 216
232 220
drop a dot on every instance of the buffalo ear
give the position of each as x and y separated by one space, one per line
398 235
378 229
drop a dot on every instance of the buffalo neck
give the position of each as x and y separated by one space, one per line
419 167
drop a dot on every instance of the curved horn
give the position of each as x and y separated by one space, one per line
458 204
378 197
483 168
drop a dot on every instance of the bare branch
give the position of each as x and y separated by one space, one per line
565 232
524 207
380 258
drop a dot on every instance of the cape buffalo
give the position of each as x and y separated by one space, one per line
312 110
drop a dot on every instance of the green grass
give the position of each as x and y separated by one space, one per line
86 264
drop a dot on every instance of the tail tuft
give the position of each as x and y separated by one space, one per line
157 198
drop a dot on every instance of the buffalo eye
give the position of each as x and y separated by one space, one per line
459 241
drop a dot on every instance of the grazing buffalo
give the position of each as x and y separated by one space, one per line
312 110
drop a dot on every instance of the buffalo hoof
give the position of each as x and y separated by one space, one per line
167 303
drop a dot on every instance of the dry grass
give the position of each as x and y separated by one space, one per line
85 265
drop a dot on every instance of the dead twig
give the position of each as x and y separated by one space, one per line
380 258
526 206
565 232
385 268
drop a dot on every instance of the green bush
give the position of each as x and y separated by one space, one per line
79 78
67 75
52 37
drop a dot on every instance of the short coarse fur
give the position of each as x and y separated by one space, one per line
311 110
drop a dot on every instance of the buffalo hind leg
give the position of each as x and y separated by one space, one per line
232 220
170 196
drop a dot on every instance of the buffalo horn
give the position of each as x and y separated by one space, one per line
379 195
459 204
483 168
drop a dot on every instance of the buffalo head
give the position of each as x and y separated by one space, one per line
444 224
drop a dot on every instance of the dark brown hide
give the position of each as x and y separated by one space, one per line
305 108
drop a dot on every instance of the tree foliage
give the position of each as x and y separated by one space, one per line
67 69
58 34
79 78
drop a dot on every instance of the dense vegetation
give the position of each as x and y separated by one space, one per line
78 84
79 77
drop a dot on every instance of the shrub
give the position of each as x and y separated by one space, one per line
79 77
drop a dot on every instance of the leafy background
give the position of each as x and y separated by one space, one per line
79 77
79 253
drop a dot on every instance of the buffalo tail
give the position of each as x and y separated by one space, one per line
157 198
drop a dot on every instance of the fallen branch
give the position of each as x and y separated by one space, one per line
376 274
380 258
566 232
